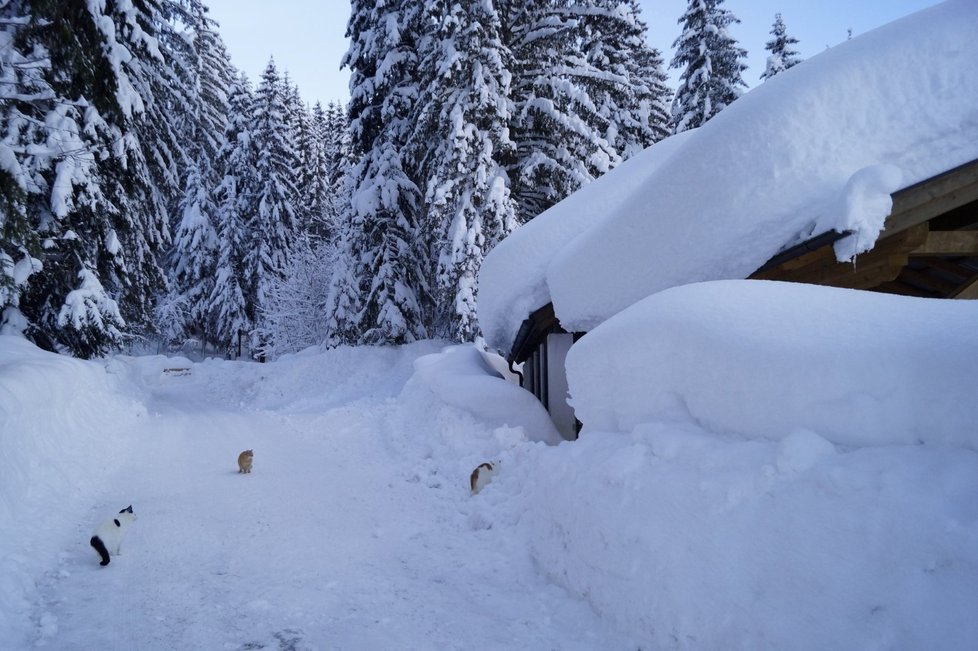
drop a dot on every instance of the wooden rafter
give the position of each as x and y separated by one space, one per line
935 196
948 243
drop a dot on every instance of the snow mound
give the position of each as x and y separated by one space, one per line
763 359
690 540
461 377
62 428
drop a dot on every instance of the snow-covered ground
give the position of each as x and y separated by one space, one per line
352 532
661 528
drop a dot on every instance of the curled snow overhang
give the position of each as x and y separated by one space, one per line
928 246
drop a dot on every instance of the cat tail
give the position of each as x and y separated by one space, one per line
99 546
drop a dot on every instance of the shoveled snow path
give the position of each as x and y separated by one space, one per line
325 545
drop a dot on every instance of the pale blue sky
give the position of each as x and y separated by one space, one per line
307 36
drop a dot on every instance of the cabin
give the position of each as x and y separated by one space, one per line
825 174
928 248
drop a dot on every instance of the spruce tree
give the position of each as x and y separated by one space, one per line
387 260
558 127
463 142
316 191
711 63
228 311
629 86
782 56
271 225
73 130
193 258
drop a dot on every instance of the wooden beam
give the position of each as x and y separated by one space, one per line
865 276
896 287
946 265
821 267
936 196
948 243
929 282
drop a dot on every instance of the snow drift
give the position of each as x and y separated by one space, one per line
667 536
54 411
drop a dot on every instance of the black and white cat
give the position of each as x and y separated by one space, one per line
109 534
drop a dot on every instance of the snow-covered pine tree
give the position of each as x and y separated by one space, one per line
339 160
234 195
316 190
711 63
271 225
462 141
558 127
72 131
24 94
387 260
148 194
194 255
783 55
630 85
303 141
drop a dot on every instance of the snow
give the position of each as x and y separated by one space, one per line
512 282
816 148
763 359
357 528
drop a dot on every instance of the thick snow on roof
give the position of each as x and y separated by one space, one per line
512 282
819 147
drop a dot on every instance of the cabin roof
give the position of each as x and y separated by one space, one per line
858 139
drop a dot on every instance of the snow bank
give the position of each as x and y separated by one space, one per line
690 540
819 147
762 359
461 377
62 425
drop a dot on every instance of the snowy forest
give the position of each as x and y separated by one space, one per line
151 193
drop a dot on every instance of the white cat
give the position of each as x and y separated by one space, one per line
109 534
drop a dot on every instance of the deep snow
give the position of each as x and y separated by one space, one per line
356 529
350 533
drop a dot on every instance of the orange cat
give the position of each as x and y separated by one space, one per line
244 461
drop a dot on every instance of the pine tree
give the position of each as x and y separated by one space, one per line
304 152
194 256
558 127
390 262
463 142
711 62
229 313
782 56
271 226
24 94
73 132
629 86
316 192
339 161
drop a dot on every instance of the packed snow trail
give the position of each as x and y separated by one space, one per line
332 542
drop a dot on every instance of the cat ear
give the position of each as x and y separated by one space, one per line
128 509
